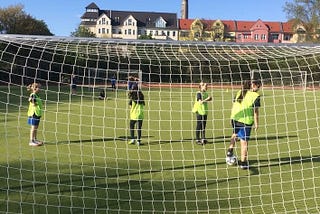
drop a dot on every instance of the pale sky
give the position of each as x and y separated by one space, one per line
63 16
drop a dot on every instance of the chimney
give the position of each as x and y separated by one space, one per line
184 9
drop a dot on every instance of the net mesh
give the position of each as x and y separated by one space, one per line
86 164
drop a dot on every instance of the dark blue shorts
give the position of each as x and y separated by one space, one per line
33 121
242 130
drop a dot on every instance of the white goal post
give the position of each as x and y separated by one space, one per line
281 77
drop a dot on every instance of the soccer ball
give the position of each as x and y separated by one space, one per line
231 160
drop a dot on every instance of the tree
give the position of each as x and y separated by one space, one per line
13 20
305 13
82 31
145 37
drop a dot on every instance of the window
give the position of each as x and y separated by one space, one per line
246 36
129 31
103 21
287 37
92 10
116 19
129 21
256 36
182 33
174 33
274 37
263 37
103 30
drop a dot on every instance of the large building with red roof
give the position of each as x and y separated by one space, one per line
166 26
238 31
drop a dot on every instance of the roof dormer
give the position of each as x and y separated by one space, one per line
160 23
93 8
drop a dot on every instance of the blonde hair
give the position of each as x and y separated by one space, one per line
32 86
202 85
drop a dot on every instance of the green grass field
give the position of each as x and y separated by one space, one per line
86 165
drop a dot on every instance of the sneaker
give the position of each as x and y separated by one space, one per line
38 142
244 165
35 143
131 141
199 142
204 141
139 143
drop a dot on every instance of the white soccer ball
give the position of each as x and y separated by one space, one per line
231 160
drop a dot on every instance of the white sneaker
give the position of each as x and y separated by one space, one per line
35 143
131 141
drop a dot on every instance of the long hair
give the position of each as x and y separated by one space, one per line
136 95
245 88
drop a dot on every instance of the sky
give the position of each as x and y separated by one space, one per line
63 16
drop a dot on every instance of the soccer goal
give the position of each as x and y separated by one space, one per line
282 78
88 164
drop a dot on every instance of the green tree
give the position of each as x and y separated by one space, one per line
14 20
145 37
82 31
305 13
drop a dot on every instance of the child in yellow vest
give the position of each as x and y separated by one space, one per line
136 104
34 113
202 99
244 114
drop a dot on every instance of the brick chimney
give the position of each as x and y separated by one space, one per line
184 9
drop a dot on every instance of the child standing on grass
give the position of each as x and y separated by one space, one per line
34 113
202 99
244 114
136 104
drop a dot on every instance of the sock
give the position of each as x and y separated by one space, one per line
230 152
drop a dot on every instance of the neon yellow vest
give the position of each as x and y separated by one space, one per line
243 112
136 111
35 108
203 108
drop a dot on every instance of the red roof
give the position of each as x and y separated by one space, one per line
238 26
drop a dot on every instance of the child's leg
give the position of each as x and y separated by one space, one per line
139 132
132 124
33 132
244 151
199 126
203 126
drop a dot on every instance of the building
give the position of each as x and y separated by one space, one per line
239 31
166 26
130 25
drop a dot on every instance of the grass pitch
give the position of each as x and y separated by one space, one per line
86 165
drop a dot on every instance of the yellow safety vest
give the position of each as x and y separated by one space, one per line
136 111
244 112
202 109
36 107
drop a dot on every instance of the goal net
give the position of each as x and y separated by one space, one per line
87 164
